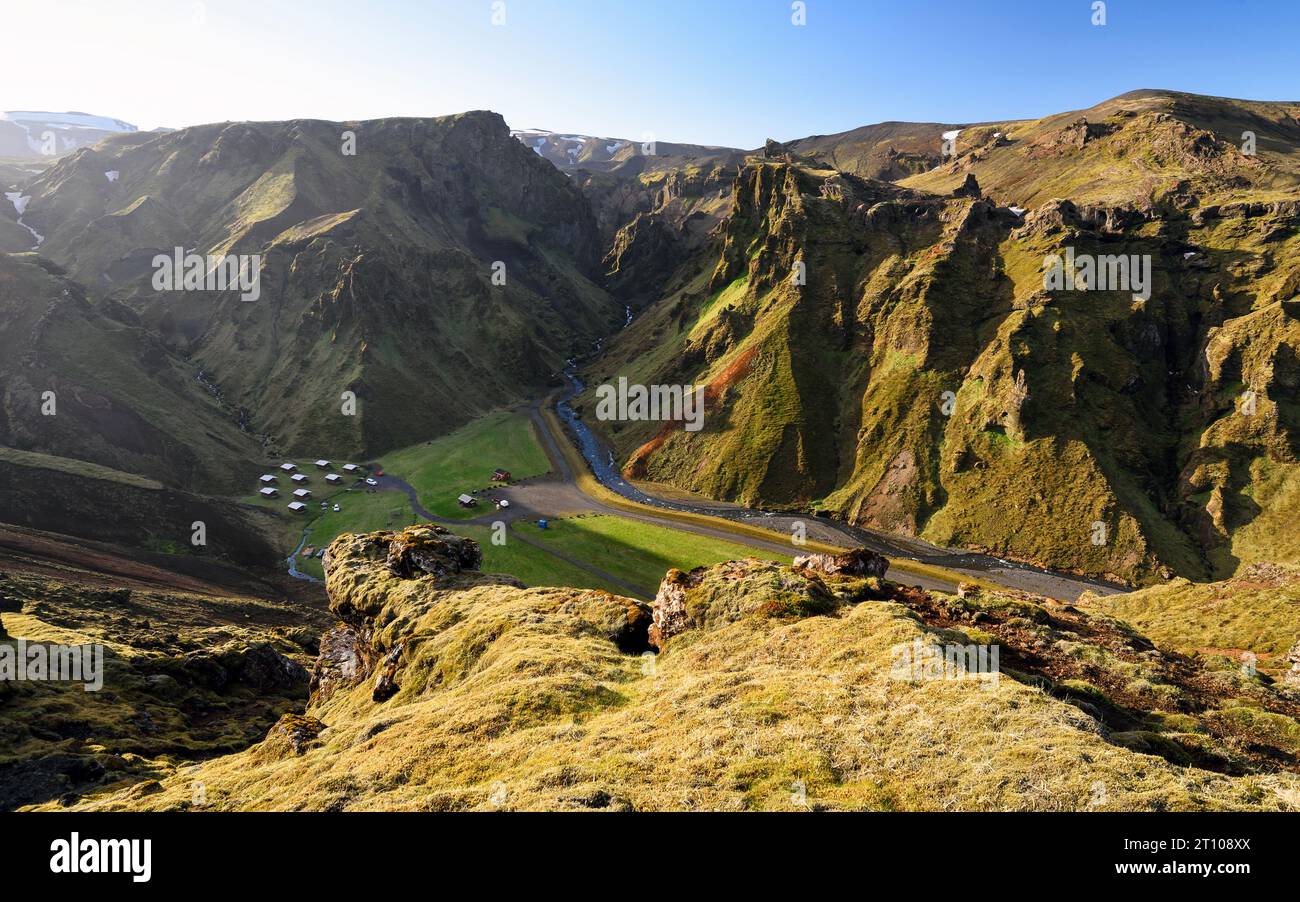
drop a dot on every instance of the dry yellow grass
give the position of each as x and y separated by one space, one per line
538 699
1257 611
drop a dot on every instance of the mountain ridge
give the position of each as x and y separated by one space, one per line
351 246
916 294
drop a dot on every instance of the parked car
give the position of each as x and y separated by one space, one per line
337 508
370 481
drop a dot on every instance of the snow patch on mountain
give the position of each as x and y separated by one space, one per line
20 205
16 198
48 133
69 120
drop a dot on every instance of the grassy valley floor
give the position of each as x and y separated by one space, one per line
620 554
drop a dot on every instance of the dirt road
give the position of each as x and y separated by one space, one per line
559 493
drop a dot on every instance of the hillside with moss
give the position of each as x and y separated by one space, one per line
379 241
88 381
189 672
1146 148
773 687
891 353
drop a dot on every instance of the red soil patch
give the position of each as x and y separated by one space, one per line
738 369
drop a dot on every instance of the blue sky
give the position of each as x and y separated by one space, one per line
707 71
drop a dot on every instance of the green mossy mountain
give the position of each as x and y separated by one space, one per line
185 676
377 272
891 353
121 397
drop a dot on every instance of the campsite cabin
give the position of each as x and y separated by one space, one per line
299 478
322 464
350 468
467 501
500 475
300 494
297 507
334 478
268 492
267 478
288 468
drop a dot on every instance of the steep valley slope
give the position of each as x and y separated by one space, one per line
434 268
190 668
891 353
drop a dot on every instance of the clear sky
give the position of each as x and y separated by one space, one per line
730 72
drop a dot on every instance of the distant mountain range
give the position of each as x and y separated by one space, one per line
920 248
41 134
569 152
378 272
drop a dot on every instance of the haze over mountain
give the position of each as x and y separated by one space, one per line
37 134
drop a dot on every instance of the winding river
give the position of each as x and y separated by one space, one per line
1013 573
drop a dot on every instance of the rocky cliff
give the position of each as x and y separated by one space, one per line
896 356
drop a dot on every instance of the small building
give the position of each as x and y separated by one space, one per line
297 507
300 494
322 464
467 501
542 524
268 492
334 478
350 468
288 468
267 478
299 478
500 475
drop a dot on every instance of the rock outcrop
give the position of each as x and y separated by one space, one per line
670 616
856 562
968 188
292 734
